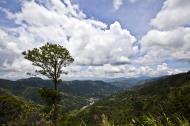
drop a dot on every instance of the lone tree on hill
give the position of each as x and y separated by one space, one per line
50 58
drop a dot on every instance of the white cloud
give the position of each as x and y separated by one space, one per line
98 47
107 70
91 42
173 13
99 50
19 65
117 4
128 70
163 69
158 70
169 40
159 46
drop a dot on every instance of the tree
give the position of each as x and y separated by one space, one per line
50 58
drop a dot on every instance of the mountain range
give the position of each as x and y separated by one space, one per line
168 95
121 100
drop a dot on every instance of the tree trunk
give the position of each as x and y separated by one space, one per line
54 114
55 85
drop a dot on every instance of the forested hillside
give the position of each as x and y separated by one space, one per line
164 100
75 94
168 95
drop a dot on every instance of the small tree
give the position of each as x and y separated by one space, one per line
50 58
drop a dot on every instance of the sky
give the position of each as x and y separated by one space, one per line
107 38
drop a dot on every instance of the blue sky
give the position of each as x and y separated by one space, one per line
12 5
133 16
107 38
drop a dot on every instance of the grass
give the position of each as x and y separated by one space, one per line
149 120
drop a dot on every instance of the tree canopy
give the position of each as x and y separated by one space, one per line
51 58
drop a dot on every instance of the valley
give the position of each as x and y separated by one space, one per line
84 100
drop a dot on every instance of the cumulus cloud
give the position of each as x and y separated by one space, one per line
9 49
91 42
128 70
169 40
157 70
166 45
100 50
173 13
98 47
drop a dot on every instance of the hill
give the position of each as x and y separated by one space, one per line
75 94
169 95
17 110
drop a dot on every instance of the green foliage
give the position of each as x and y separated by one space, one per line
50 58
74 94
169 95
10 107
32 93
18 112
149 120
50 96
160 102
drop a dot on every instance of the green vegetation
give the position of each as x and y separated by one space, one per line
149 120
17 111
163 101
74 94
50 58
169 95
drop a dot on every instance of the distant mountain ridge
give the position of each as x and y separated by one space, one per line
168 95
125 83
63 86
75 93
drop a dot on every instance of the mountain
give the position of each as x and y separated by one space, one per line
81 88
162 98
168 95
125 83
75 94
